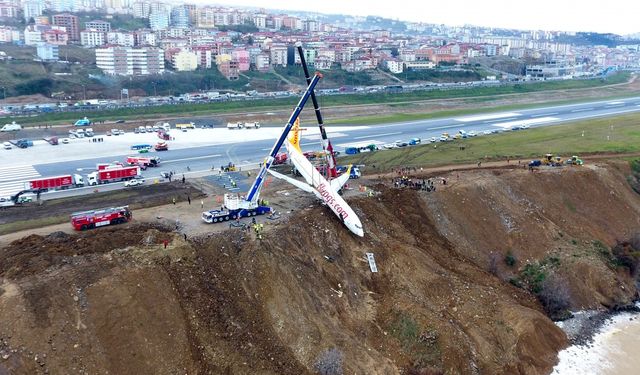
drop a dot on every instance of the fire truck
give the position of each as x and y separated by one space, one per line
99 218
146 161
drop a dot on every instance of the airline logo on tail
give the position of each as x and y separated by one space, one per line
294 137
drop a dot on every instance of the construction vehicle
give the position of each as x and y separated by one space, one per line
54 183
237 206
551 160
99 218
188 125
252 125
230 167
574 160
235 125
280 158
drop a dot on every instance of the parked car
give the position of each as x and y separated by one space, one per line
7 146
134 182
401 144
119 121
65 140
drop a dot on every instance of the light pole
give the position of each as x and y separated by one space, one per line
84 92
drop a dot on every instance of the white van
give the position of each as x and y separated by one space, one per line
11 127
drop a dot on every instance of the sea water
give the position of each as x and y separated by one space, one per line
615 350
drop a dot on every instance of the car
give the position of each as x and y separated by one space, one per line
433 139
143 151
108 133
401 144
486 132
165 174
119 121
472 133
389 146
65 140
7 146
136 130
134 182
184 130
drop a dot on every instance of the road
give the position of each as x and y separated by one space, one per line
250 148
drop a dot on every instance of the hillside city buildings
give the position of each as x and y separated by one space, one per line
187 37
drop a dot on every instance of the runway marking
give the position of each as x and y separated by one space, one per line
582 109
545 114
532 121
615 103
20 172
487 117
376 135
194 158
502 119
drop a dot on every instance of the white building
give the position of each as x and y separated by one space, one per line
92 38
141 9
159 20
185 61
47 52
260 20
64 5
130 61
32 35
180 17
278 54
32 9
419 65
395 66
121 38
98 25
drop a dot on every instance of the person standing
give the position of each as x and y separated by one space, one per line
189 199
174 201
201 203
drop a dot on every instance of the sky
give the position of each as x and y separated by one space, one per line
614 16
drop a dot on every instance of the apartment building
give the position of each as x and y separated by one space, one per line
47 52
159 20
57 36
8 10
278 54
32 9
229 69
70 23
243 59
7 34
185 61
121 38
180 16
130 61
93 38
141 9
98 25
205 17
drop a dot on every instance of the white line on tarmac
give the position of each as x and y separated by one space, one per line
376 135
582 109
193 158
545 114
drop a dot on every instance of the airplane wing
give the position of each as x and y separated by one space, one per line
299 184
338 182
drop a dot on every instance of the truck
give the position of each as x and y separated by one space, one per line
99 218
235 125
280 158
11 127
164 135
54 183
232 213
102 166
83 122
146 161
88 132
112 175
252 125
161 146
189 125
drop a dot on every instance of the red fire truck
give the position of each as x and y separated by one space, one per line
146 161
99 218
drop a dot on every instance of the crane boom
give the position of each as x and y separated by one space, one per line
254 191
326 148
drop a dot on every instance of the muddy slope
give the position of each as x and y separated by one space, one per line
304 299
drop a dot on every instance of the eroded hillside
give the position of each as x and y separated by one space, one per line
445 300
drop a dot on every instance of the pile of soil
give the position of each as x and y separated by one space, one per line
304 299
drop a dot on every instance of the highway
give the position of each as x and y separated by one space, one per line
244 152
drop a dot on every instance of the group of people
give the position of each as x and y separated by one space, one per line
417 184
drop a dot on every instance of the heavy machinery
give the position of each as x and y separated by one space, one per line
554 161
574 160
242 206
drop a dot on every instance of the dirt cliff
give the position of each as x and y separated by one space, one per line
303 300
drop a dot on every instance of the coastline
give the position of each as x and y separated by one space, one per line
602 343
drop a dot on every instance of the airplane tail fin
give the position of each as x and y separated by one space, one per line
294 137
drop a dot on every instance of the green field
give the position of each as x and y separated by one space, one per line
475 94
608 135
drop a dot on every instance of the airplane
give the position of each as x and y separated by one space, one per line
326 191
